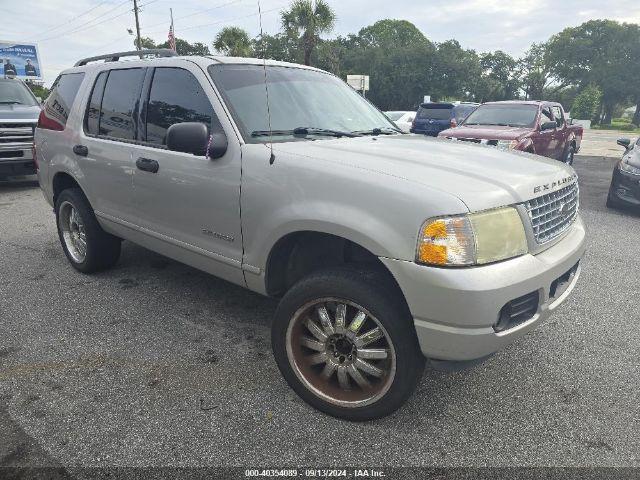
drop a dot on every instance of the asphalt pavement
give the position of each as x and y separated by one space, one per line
154 363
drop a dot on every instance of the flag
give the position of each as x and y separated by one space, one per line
172 38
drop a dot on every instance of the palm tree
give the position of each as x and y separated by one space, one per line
306 20
233 42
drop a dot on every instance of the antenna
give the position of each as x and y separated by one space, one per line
272 158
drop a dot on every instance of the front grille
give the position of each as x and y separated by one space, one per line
517 311
553 213
16 133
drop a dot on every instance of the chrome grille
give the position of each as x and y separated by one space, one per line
553 213
16 133
16 140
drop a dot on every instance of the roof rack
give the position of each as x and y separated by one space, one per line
114 57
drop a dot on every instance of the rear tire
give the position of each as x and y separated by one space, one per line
87 246
335 374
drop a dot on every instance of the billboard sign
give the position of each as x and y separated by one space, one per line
20 59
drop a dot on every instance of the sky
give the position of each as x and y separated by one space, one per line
67 30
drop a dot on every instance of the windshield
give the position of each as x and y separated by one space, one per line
393 116
297 98
13 92
506 115
435 112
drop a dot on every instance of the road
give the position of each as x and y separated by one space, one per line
602 143
155 363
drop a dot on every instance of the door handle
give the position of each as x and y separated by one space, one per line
147 165
80 150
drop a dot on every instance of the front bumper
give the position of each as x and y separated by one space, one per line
455 310
24 166
625 188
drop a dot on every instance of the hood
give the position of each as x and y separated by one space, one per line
482 177
19 112
486 132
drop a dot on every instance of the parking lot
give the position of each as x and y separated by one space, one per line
155 363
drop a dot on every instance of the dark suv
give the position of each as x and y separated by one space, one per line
433 118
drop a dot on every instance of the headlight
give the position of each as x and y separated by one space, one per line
507 144
472 239
625 167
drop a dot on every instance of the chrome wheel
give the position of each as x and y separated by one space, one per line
73 232
341 352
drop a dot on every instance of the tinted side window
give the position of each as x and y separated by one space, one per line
119 101
92 119
58 105
435 113
175 96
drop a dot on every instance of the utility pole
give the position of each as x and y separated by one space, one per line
135 11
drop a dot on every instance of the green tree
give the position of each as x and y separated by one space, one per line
391 34
277 47
500 78
38 90
597 52
534 72
586 106
182 46
306 20
233 42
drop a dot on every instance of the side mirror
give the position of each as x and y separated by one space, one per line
624 142
570 121
193 137
548 126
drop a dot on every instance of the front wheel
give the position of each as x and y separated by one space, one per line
346 345
569 155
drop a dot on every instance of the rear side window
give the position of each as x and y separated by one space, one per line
119 103
175 96
435 113
92 121
58 106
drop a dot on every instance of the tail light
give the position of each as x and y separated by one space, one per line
453 123
47 123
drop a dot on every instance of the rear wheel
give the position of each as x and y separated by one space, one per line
87 246
347 345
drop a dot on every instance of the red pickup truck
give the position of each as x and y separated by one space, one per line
531 126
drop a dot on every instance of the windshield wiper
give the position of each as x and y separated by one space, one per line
303 131
378 131
10 102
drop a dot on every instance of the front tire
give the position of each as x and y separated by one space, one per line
87 246
569 155
344 340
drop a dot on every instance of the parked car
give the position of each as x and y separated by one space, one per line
433 118
383 248
19 110
403 120
530 126
625 183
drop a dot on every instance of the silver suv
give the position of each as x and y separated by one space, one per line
384 248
